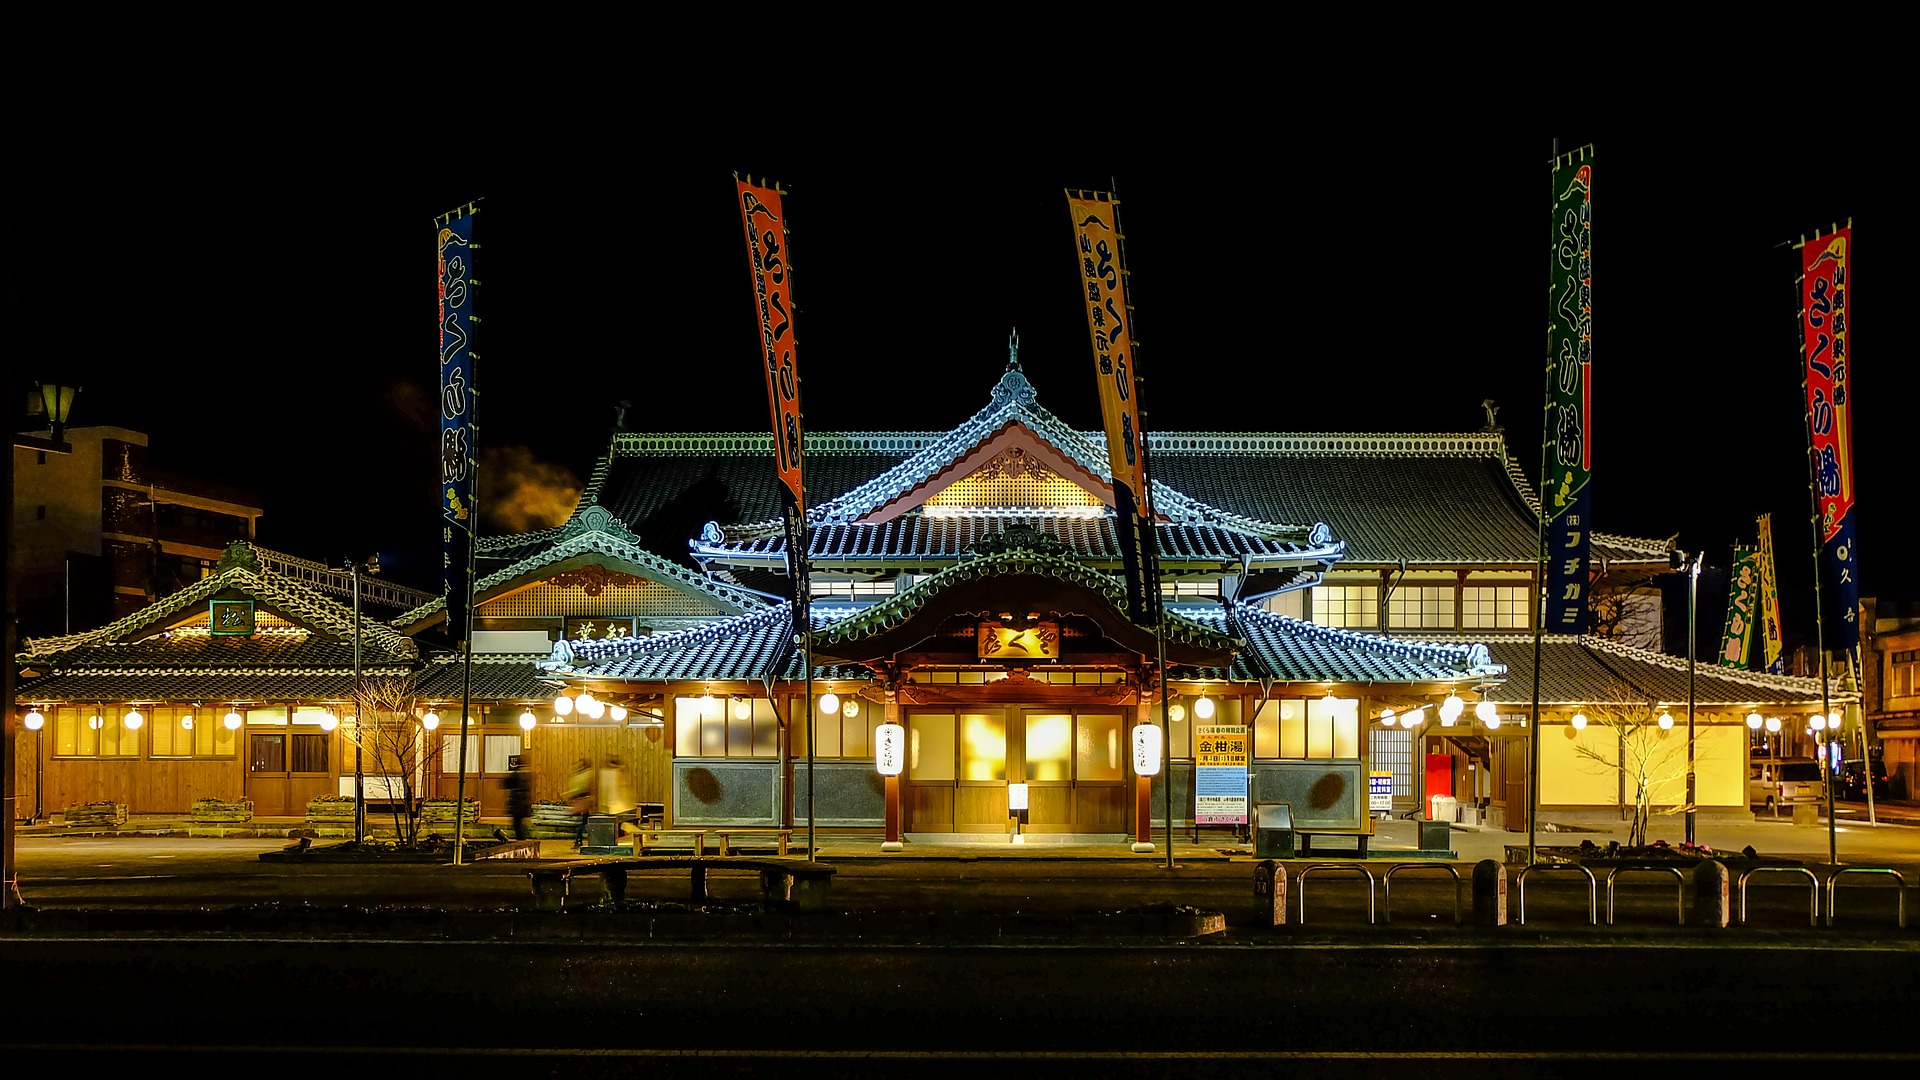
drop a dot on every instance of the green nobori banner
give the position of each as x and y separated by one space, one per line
1743 602
1568 449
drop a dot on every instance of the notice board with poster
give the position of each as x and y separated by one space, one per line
1379 790
1220 775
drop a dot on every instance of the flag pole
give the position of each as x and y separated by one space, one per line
1819 615
1540 575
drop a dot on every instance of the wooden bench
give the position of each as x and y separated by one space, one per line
650 836
788 883
1363 835
780 838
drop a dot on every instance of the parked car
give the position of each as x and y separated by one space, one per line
1853 783
1785 781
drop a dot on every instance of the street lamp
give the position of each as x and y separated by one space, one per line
57 402
1680 560
354 567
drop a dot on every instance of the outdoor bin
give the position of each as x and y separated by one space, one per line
1273 831
602 831
1445 808
1436 836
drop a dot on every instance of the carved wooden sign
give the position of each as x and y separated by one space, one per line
1036 641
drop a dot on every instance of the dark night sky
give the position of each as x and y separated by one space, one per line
264 314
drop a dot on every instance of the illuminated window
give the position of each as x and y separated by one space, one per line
1488 607
1292 603
1903 674
1311 729
1352 606
208 737
75 736
707 727
855 590
1421 607
1185 589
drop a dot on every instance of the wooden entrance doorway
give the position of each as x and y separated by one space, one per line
961 762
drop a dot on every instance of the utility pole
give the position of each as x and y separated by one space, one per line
359 728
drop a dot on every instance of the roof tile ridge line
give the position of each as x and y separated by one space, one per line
1631 543
917 593
587 540
596 479
1517 475
1480 442
342 614
1678 665
529 536
48 646
603 649
919 466
1463 648
634 443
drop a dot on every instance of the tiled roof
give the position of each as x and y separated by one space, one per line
900 607
744 647
1436 499
916 539
1576 670
1427 498
594 530
495 677
240 570
1289 650
189 664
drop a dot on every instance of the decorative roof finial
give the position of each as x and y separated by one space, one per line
1013 350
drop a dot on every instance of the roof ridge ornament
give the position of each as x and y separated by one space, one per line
1013 385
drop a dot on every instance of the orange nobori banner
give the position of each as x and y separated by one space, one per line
766 226
1110 323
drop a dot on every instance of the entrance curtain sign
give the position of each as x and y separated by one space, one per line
1569 427
1220 775
765 222
1769 598
1103 280
1743 597
1824 315
454 235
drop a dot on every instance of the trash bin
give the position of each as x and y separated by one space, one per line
603 831
1436 835
1445 808
1273 831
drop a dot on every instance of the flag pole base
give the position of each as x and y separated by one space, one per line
892 845
1142 847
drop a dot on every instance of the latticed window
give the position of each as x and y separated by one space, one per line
1185 589
726 727
857 590
1903 674
1013 478
1392 751
1421 606
184 731
1354 606
1494 607
1300 729
93 731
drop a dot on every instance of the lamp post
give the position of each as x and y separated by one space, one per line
354 566
1680 560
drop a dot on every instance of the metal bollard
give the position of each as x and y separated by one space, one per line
1270 892
1489 893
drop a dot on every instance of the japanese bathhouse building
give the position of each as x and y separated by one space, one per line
967 586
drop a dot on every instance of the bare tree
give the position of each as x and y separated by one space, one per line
1632 744
1627 611
393 746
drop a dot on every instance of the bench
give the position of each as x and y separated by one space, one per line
651 836
1362 835
780 838
789 883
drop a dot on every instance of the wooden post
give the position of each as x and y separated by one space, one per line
1143 813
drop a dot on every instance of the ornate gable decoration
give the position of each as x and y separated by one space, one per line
1019 537
1014 477
593 580
597 518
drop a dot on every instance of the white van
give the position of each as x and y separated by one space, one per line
1775 782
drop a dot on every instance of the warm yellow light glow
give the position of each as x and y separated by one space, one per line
586 701
187 721
527 720
1754 721
1833 720
1666 721
1203 708
1414 718
1486 712
594 708
232 721
1147 747
619 713
742 709
562 705
431 720
1450 709
328 721
95 722
1817 722
133 719
1176 713
1389 717
34 720
850 708
1773 725
1493 722
829 703
1579 721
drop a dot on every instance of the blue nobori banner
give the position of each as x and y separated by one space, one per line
458 457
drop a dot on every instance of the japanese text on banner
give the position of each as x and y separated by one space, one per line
1824 318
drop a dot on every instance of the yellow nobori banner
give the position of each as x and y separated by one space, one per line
1109 321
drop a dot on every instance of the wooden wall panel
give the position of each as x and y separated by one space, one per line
1050 808
980 809
147 787
1102 809
644 751
927 809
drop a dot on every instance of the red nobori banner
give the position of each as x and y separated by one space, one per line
1825 314
766 225
1109 320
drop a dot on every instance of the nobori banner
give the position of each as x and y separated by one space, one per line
1824 315
1743 602
1096 229
1769 598
454 235
1568 446
765 221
